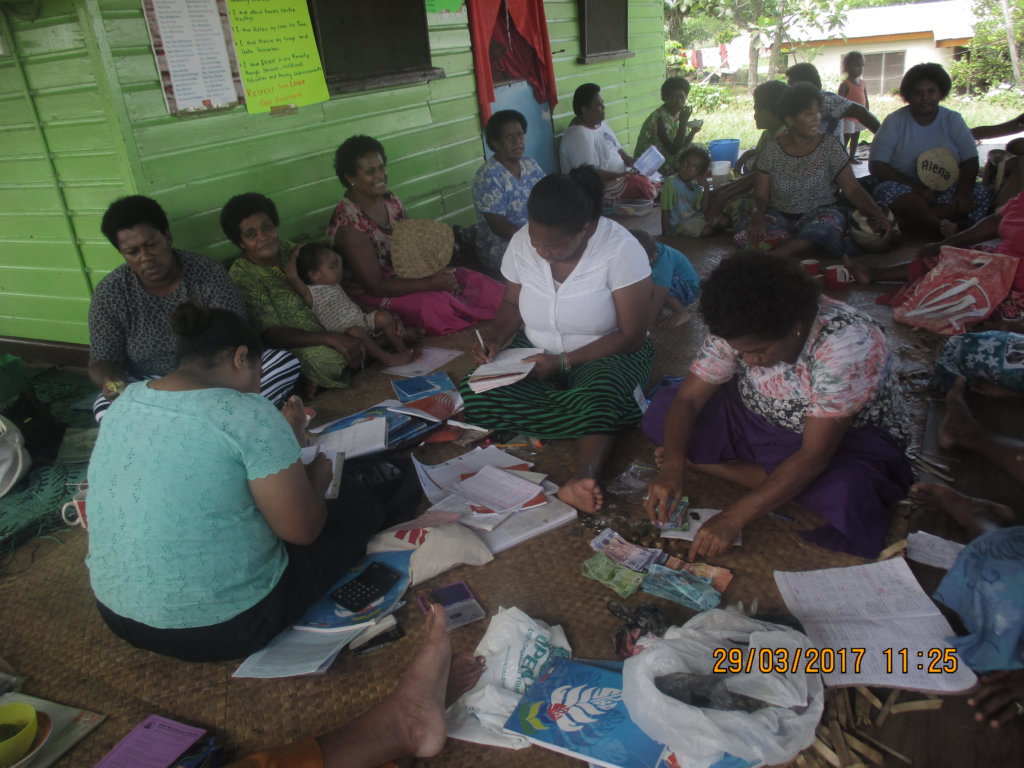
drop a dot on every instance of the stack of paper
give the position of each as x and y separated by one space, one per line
875 626
499 530
506 368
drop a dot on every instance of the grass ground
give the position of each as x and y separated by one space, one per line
736 121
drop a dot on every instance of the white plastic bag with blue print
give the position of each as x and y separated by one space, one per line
516 648
772 734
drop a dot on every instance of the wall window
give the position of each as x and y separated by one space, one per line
604 30
883 71
372 44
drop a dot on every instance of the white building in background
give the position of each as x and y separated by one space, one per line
892 39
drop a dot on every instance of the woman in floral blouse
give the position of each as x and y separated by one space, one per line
792 395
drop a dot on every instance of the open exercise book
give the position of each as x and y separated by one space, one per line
881 609
507 367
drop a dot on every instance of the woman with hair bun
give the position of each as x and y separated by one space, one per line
579 288
207 535
792 396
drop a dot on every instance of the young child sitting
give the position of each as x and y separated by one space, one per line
685 199
676 285
315 271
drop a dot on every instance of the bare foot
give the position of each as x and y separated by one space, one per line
295 415
978 516
1000 697
958 429
947 228
583 494
419 699
676 319
463 675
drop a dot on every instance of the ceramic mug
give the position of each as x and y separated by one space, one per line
73 512
811 266
837 276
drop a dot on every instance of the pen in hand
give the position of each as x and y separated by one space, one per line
483 347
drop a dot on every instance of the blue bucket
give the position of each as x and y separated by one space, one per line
725 149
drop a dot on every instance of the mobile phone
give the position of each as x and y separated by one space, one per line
370 585
459 603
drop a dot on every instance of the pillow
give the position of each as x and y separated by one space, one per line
437 549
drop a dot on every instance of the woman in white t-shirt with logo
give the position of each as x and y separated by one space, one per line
578 288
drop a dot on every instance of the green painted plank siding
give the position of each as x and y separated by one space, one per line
57 151
93 81
630 87
430 130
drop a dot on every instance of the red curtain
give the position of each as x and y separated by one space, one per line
536 68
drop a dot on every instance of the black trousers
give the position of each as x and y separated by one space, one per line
352 520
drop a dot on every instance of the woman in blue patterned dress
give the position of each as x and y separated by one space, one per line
502 186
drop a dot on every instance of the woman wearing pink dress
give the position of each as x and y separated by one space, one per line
361 228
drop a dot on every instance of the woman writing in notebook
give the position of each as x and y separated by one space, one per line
207 535
578 289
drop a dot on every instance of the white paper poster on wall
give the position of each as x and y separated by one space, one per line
191 40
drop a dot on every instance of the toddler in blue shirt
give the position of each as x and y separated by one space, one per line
676 285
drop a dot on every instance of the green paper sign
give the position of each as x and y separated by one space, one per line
436 6
277 54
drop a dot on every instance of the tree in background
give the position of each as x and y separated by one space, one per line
994 53
768 22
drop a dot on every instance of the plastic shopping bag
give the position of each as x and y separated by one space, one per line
516 648
963 289
790 703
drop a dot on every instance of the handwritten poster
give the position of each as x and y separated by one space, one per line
192 54
277 54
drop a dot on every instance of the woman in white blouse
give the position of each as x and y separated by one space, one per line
589 140
578 289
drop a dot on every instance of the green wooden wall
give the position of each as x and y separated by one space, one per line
84 122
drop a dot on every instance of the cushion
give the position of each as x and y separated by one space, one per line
437 549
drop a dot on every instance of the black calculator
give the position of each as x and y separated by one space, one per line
372 584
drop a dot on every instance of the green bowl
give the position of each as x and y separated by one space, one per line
17 746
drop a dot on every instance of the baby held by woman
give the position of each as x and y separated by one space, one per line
315 272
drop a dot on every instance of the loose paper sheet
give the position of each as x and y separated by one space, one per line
191 48
156 742
932 550
294 652
430 360
877 607
358 440
498 490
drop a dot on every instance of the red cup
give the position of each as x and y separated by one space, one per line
837 276
811 266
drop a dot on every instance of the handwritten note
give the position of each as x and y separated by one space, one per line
277 54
